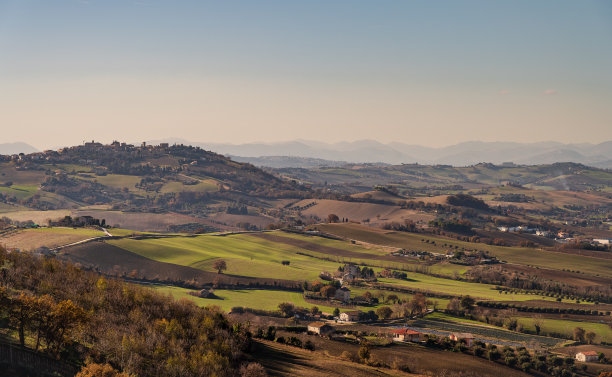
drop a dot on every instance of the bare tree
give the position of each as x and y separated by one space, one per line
220 265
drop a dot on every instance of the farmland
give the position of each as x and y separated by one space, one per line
251 298
566 327
184 220
451 324
245 255
522 256
31 239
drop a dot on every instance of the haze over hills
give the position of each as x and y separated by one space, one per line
370 151
16 148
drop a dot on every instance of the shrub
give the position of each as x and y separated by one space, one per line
309 345
510 361
526 367
493 355
252 370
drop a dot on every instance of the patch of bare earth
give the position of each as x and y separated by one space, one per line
282 360
28 241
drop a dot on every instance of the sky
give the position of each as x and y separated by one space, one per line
427 72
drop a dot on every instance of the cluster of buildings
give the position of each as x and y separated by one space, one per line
518 229
413 336
398 335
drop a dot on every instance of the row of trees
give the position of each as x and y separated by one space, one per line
417 306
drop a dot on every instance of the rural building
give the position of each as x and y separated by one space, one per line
406 335
351 269
562 235
343 294
587 356
350 316
320 328
466 337
347 278
603 241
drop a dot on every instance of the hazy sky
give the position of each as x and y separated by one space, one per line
424 72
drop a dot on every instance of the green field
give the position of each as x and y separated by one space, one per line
252 256
245 255
460 288
566 327
19 191
440 303
118 181
338 244
248 298
205 186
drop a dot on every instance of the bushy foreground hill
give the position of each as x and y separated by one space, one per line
66 313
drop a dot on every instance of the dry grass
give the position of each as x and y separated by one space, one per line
282 360
31 239
376 213
39 217
145 222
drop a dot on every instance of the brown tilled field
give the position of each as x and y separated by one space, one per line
571 278
282 360
230 219
516 238
143 222
378 195
28 240
375 213
419 359
39 217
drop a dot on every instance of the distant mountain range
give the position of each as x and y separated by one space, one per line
16 148
308 154
304 153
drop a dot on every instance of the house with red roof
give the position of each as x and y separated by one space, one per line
587 356
406 335
466 338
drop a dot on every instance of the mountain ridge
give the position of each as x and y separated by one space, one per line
371 151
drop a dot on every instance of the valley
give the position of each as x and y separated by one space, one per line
515 256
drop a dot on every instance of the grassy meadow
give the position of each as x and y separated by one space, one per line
249 298
566 327
245 255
